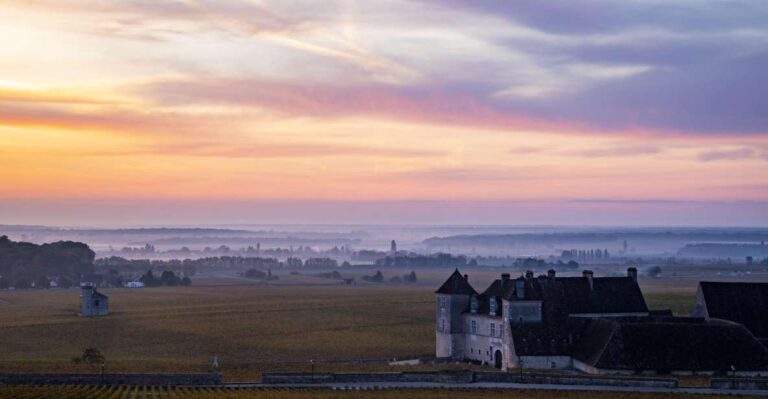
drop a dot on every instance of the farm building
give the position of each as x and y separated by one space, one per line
93 302
743 303
598 325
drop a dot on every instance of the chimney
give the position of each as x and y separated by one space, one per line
520 288
528 274
588 275
466 277
551 274
632 273
504 277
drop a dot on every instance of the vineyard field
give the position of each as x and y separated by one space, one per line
158 392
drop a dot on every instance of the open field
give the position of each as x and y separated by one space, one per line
125 392
251 327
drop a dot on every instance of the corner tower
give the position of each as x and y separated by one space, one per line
452 300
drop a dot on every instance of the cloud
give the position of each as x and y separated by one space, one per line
444 105
262 150
738 154
523 150
114 119
463 174
607 16
619 151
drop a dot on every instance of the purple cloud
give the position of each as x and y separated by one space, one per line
743 153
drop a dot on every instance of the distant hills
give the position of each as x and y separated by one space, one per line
689 235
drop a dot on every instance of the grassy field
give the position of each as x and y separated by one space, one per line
127 392
251 327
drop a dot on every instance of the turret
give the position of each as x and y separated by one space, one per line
453 298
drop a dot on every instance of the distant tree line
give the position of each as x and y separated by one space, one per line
436 260
378 277
24 264
188 267
257 274
166 279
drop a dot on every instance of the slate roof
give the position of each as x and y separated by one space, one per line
573 295
456 285
95 294
745 303
542 339
668 344
98 295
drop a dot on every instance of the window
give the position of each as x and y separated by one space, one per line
493 329
474 327
442 325
96 303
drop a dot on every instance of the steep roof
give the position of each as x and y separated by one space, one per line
500 288
456 285
745 303
573 295
541 339
98 295
668 344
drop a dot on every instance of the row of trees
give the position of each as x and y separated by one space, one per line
257 274
378 277
167 278
26 262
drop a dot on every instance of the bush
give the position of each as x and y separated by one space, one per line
256 274
90 356
376 278
654 271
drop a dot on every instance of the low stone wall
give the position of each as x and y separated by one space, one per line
527 378
464 377
110 379
346 378
739 383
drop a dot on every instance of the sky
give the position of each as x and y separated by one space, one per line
183 112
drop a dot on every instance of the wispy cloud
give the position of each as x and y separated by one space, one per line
727 155
619 151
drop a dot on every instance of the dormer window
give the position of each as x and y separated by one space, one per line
492 306
473 304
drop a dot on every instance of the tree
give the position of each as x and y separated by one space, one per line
411 277
4 283
255 274
376 278
186 281
654 271
90 356
149 279
169 279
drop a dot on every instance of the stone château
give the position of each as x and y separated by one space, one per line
591 324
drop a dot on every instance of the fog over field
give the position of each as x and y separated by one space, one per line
536 241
